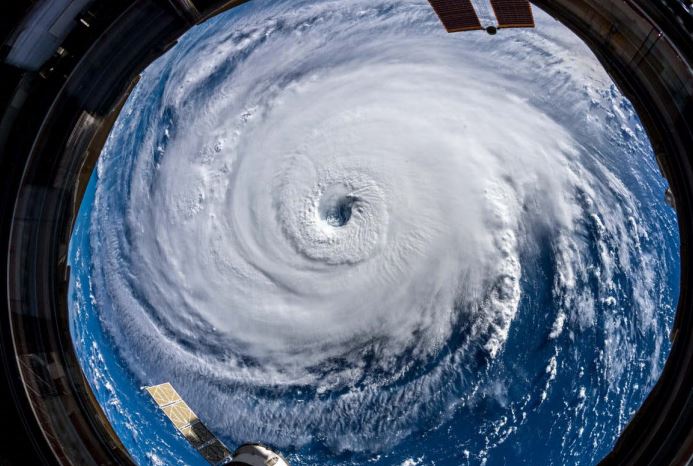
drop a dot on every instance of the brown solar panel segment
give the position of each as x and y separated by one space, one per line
456 15
197 434
215 452
513 13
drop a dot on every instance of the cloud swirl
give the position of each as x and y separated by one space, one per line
318 216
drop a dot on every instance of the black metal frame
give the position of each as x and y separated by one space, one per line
53 124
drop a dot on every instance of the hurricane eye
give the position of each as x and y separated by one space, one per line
337 211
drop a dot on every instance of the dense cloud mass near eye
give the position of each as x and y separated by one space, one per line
322 222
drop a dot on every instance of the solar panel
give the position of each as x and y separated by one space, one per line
163 394
197 434
188 424
456 15
215 452
513 13
180 414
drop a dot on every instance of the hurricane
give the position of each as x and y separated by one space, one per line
341 231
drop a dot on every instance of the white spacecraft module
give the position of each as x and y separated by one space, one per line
202 440
254 454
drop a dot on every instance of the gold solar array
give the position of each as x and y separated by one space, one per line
188 424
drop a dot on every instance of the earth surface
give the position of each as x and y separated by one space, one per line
342 232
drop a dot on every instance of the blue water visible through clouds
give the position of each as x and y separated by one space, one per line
342 232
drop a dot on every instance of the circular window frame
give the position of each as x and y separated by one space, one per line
645 45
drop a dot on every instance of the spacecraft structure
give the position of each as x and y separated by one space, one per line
202 439
462 15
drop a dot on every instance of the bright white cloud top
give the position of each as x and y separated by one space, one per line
321 221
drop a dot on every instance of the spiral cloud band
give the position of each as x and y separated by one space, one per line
323 220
